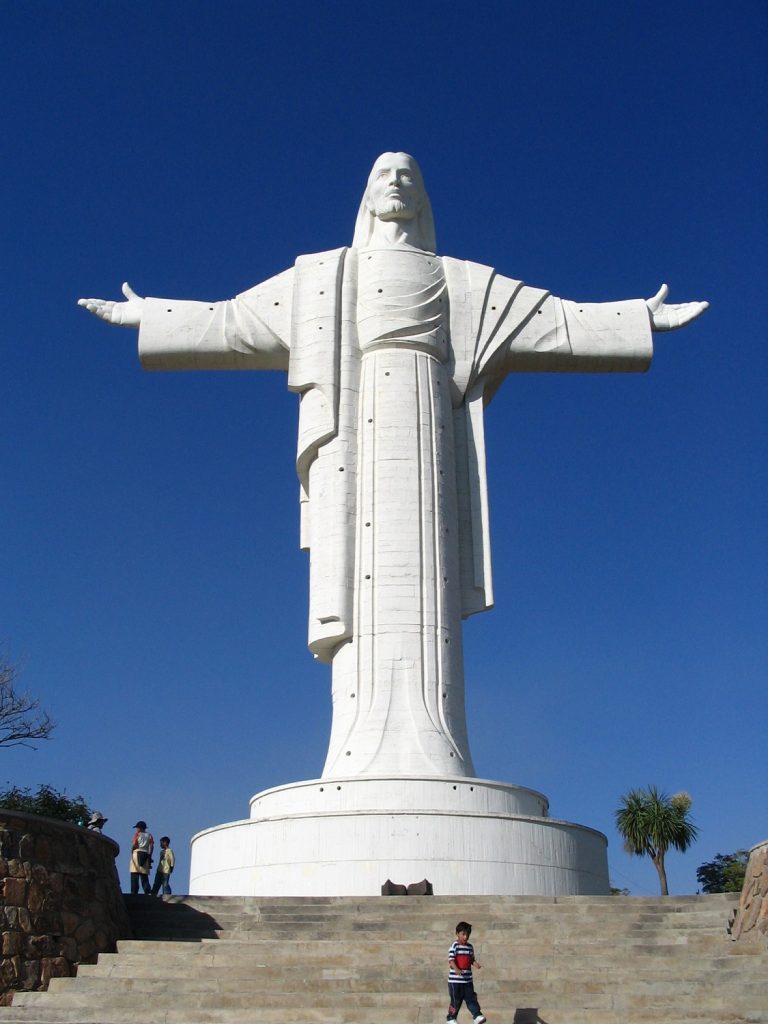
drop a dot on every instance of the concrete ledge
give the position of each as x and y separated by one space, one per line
403 793
345 837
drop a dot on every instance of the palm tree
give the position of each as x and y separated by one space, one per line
650 822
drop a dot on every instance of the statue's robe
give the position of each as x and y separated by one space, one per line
394 634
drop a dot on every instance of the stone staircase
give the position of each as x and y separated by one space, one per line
564 960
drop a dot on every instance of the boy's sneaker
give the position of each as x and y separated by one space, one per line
480 1019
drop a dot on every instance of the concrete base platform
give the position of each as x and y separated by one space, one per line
347 836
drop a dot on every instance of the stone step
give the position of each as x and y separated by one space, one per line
649 959
618 969
482 939
544 972
324 1016
428 924
413 1014
436 920
443 925
381 980
427 1012
288 978
504 953
500 958
323 989
504 905
486 939
414 901
555 1014
433 906
419 1015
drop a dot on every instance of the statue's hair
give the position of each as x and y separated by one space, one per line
425 220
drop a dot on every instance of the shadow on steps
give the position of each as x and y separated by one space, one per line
169 918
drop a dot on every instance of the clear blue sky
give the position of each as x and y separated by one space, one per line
152 585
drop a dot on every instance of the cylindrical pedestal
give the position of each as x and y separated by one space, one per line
346 837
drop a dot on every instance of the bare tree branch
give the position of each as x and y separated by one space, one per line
21 719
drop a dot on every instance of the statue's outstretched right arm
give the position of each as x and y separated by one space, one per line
249 332
669 316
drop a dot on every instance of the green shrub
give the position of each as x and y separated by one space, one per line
47 802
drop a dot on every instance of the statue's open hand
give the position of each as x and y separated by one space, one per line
126 314
666 317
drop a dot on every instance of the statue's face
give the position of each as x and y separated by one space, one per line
395 190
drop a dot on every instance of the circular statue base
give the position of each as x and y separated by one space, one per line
348 836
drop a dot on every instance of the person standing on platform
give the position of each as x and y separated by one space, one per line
164 868
141 858
96 822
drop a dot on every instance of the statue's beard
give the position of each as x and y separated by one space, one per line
394 209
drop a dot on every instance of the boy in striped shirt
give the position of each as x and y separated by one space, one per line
461 989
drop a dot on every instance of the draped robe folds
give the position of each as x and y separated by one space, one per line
391 464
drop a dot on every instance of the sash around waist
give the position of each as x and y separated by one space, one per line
429 345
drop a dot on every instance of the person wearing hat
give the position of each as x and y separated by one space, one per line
141 858
97 822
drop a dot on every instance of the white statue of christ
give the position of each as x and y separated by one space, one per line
394 352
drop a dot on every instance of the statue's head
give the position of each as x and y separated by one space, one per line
395 192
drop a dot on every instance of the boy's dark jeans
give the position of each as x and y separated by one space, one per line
164 881
463 992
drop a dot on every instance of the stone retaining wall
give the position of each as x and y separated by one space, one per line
751 918
61 902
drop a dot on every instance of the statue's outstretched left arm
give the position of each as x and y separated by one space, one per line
124 314
559 335
668 317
